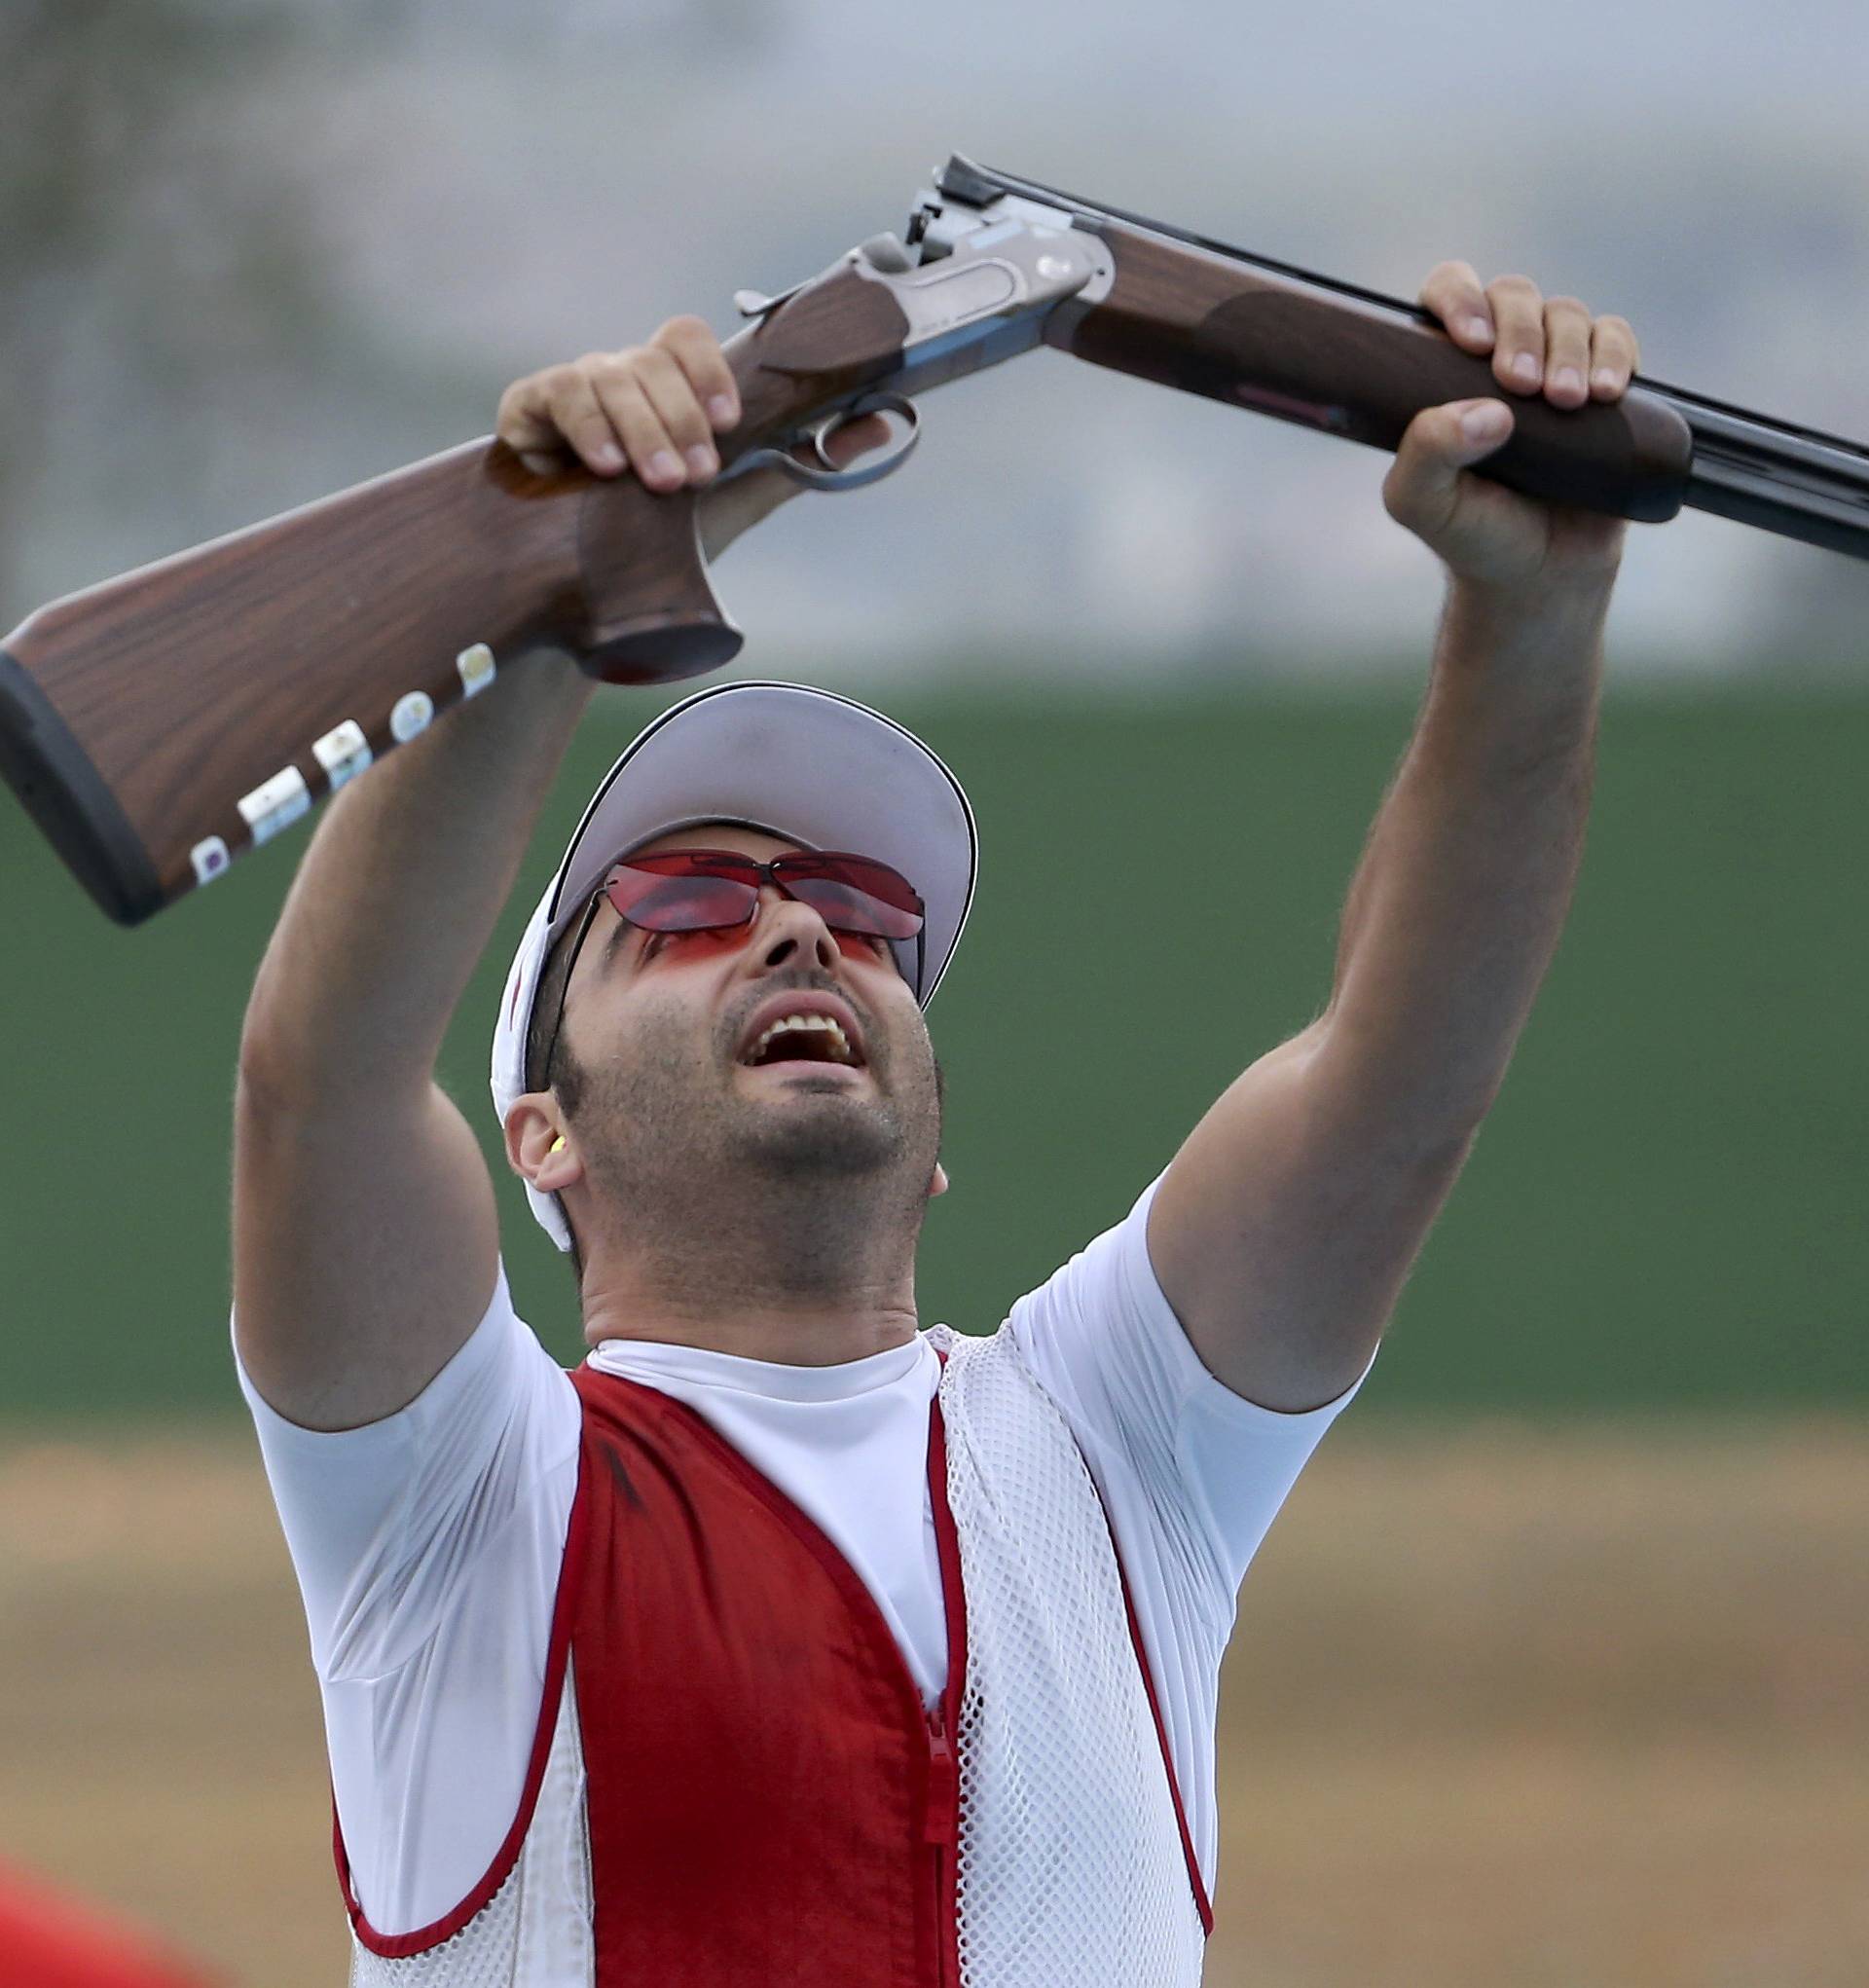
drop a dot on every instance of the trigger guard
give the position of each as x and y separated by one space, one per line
859 473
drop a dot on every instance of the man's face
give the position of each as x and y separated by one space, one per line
655 1065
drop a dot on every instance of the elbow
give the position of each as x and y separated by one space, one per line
263 1076
1424 1109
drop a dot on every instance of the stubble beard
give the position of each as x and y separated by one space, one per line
807 1189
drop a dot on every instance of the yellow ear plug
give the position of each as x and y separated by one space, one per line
557 1145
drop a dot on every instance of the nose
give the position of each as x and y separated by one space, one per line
789 931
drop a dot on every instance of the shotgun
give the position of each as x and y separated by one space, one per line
160 724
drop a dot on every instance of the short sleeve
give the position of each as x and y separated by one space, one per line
1103 1338
385 1522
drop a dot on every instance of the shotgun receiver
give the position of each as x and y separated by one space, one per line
160 724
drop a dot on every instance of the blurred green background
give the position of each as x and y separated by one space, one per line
1666 1208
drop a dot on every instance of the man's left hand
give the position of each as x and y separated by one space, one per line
1489 537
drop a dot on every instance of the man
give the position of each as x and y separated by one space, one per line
783 1641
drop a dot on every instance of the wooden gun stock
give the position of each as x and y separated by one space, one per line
159 724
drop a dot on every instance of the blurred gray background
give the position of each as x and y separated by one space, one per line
258 251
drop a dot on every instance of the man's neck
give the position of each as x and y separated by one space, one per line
805 1277
792 1333
763 1295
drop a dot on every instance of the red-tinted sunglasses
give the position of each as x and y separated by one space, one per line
714 890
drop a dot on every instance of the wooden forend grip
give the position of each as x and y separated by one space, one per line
1200 322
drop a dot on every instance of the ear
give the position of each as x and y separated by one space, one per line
533 1129
939 1184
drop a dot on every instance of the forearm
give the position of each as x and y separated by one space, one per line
1462 892
399 889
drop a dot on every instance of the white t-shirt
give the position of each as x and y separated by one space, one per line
427 1545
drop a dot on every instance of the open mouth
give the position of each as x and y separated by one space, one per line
803 1039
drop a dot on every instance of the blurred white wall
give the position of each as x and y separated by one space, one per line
342 229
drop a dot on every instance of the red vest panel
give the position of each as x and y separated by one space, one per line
769 1803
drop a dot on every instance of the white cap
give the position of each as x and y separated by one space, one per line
814 768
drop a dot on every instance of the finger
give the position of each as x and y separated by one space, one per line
1423 490
617 380
692 342
1614 358
1518 319
659 374
857 438
1453 293
525 425
1566 351
578 419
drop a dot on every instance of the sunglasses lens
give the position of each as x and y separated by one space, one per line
696 890
688 900
854 894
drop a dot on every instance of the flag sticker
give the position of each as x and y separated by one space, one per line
276 804
476 667
343 753
411 715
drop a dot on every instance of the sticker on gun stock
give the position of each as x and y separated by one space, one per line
476 667
411 715
276 804
343 753
211 859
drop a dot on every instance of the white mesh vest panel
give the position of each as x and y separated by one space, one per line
535 1930
1072 1871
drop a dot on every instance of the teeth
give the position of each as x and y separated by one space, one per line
823 1023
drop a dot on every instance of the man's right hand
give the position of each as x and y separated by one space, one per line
653 410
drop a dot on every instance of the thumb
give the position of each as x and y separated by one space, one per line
1423 490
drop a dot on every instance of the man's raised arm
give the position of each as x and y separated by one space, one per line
1288 1221
365 1241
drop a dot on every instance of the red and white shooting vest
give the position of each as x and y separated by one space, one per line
734 1783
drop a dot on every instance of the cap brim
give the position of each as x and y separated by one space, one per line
808 766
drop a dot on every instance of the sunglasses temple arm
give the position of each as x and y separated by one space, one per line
564 986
